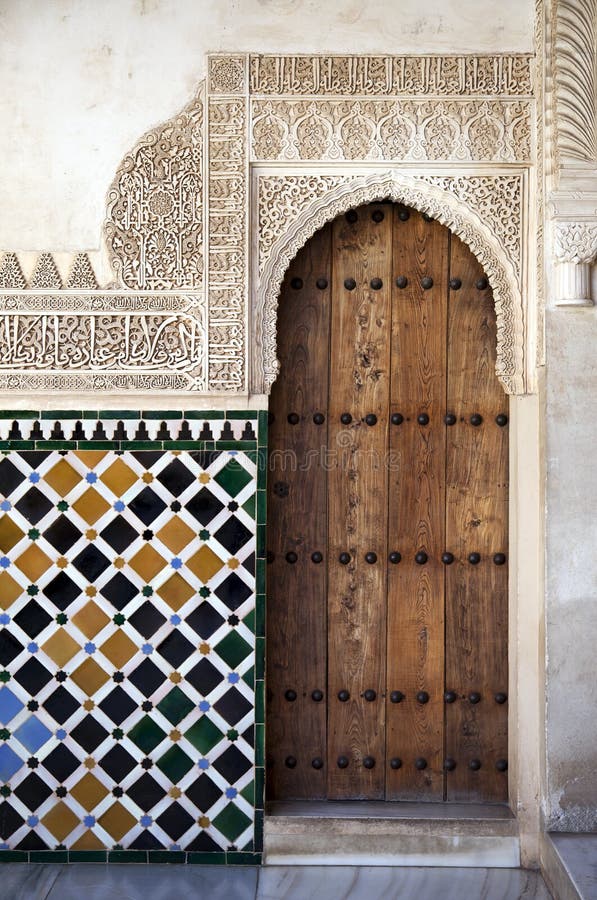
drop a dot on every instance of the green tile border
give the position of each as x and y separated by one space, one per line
142 857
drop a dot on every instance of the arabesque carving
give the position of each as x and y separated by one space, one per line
11 274
575 242
441 205
575 77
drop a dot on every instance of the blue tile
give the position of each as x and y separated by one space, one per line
9 762
33 734
9 705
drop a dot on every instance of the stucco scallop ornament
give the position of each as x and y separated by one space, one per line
460 218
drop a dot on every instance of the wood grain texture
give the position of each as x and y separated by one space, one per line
476 522
359 385
416 509
298 523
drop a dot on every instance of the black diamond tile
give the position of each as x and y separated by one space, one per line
33 505
10 820
62 534
61 763
203 793
232 535
119 591
33 676
176 477
148 458
34 458
61 705
147 677
147 841
232 706
119 534
175 820
203 843
146 792
204 506
204 458
205 620
33 791
249 563
233 591
147 619
91 562
89 733
117 705
10 647
118 762
10 477
31 841
232 764
175 648
204 677
147 506
62 590
32 618
249 735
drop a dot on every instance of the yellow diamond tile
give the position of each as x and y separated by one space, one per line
90 458
147 563
33 562
61 647
10 534
204 564
60 821
117 821
90 506
88 841
90 619
89 792
176 534
89 677
62 477
118 649
175 591
9 590
119 477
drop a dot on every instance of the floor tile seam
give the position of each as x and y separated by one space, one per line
57 875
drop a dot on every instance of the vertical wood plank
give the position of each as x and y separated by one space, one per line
416 509
476 522
297 523
359 385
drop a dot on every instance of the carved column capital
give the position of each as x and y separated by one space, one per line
575 248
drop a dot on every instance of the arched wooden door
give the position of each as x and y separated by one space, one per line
387 520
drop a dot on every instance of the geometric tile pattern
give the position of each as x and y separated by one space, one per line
131 623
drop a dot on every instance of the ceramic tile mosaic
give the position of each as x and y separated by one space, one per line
129 620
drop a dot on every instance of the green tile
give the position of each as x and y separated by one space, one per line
259 744
262 433
260 657
204 735
233 477
8 856
249 621
127 856
260 701
239 858
98 445
260 577
262 461
260 615
206 859
162 414
248 793
259 787
119 414
231 821
207 416
259 816
92 856
251 454
175 764
146 734
59 445
60 414
261 507
249 415
175 706
235 445
48 856
90 414
250 505
233 649
182 445
141 445
17 445
167 856
260 542
20 414
249 677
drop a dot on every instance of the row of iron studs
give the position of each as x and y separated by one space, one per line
370 419
394 557
395 762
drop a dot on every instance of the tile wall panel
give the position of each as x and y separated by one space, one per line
131 606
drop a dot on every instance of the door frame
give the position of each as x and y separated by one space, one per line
526 521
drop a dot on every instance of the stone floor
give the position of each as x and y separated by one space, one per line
162 882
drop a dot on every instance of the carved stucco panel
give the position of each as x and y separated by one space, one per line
322 198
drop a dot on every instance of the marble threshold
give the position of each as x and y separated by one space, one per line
390 834
569 864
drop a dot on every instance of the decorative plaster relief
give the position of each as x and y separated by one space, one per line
378 75
412 130
329 196
154 227
46 274
575 78
575 248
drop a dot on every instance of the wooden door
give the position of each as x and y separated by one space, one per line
387 520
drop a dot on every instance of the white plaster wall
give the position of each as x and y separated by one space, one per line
571 569
81 80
